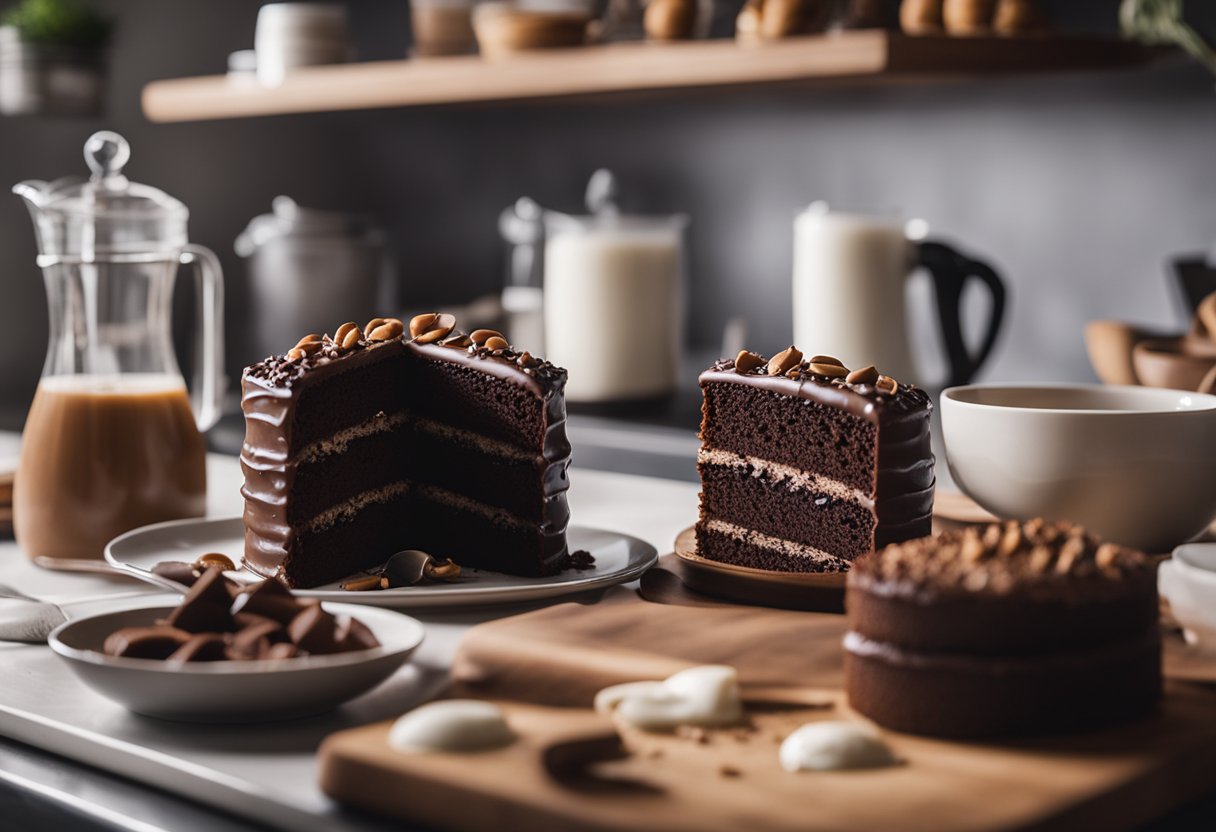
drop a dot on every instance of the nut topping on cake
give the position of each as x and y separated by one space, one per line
482 336
386 330
781 363
828 370
886 384
746 362
496 343
347 336
423 323
866 375
825 359
1001 557
435 330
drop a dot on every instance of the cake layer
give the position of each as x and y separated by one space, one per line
366 533
988 624
793 506
729 543
797 432
955 696
480 537
341 400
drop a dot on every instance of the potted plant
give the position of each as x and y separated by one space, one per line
51 58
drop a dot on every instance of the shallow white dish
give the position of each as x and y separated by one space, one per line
618 558
1132 464
227 691
1188 582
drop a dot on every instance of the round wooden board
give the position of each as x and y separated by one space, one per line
817 591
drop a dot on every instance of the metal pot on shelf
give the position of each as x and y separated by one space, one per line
309 270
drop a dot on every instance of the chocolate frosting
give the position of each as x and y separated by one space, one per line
906 480
271 388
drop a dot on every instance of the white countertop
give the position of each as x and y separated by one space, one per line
280 757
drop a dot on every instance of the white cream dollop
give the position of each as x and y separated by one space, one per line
834 746
704 696
451 725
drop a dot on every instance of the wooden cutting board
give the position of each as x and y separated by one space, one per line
561 775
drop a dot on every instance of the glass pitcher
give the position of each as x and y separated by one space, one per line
112 440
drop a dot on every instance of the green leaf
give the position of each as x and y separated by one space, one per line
59 23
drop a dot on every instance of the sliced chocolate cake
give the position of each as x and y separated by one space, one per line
805 465
370 441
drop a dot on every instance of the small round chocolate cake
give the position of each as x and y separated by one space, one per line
1011 629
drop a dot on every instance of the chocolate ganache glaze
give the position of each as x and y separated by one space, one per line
905 480
277 443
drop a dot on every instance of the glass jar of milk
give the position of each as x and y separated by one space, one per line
614 303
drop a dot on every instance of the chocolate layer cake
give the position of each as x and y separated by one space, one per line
1009 630
805 464
369 442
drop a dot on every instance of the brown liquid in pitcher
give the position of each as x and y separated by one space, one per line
101 456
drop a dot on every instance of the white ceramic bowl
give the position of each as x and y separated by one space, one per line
229 691
1132 464
1188 582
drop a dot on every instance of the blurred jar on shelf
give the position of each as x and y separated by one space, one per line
294 35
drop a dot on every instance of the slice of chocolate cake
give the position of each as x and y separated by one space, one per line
805 465
371 441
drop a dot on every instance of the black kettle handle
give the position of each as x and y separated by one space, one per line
951 271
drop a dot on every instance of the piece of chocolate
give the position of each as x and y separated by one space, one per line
203 647
157 642
271 599
205 607
250 642
282 650
352 634
178 571
314 630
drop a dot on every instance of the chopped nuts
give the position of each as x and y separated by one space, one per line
295 354
347 335
442 327
1040 559
525 359
389 329
372 324
829 370
886 384
780 363
826 359
865 375
481 336
747 361
423 323
1011 539
495 343
973 550
309 344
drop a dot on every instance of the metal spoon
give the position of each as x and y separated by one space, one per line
42 616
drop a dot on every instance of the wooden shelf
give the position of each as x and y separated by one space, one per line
631 68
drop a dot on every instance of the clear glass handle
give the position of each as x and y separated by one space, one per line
207 391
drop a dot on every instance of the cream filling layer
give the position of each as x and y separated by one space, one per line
382 423
776 544
796 477
347 509
493 447
340 441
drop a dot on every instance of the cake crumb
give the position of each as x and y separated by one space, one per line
693 732
580 560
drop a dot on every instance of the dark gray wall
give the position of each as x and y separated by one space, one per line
1077 187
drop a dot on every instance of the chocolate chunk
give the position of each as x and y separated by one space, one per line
178 571
252 641
314 630
271 598
205 607
352 634
204 647
283 650
157 642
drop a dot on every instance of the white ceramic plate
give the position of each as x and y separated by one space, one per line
618 558
228 691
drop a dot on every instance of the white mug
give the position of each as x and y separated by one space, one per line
849 276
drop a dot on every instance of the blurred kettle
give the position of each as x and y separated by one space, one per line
310 271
